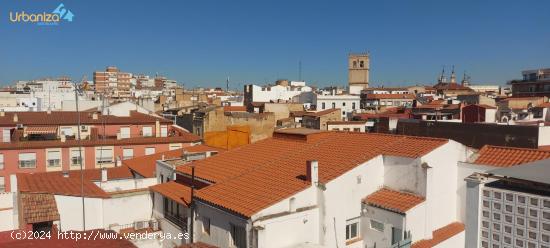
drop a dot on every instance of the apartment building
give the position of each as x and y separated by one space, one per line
509 207
282 91
534 83
113 82
48 141
348 104
379 101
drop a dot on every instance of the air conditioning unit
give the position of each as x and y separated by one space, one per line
19 126
154 224
84 128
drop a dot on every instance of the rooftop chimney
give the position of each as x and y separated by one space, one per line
103 174
63 138
15 117
65 173
94 116
312 172
2 113
49 110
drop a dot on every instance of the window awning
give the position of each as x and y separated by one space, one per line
41 130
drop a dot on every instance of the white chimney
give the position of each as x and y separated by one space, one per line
312 172
2 113
94 116
15 118
63 138
103 174
49 110
65 173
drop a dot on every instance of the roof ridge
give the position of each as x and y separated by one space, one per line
515 148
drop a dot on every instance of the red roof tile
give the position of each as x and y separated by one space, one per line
53 183
440 235
250 178
321 113
39 208
175 191
146 165
393 200
508 156
71 118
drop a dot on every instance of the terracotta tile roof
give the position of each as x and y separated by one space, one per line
175 191
393 200
53 183
114 173
184 137
197 245
71 118
391 96
544 105
146 165
440 235
321 113
250 178
508 156
54 242
39 208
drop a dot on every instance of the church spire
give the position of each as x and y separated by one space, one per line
442 78
453 75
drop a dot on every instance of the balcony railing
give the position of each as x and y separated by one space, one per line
176 220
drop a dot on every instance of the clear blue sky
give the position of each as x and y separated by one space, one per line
201 42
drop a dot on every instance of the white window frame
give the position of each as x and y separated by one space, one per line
63 129
104 159
147 131
6 135
27 163
1 161
51 162
349 226
148 150
164 131
2 184
174 146
76 155
127 153
125 134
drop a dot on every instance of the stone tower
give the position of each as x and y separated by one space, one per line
358 69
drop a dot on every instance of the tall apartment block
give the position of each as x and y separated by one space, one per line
113 82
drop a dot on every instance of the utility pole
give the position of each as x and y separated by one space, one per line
76 91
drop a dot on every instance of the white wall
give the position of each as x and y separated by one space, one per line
70 211
390 219
544 136
464 170
8 212
406 174
127 209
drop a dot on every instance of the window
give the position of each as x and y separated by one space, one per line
361 64
521 199
125 132
354 64
333 105
357 129
6 135
104 155
67 131
376 225
149 150
534 202
174 147
238 236
147 131
27 160
206 225
322 105
1 161
75 157
352 105
163 131
352 230
2 184
343 104
127 153
54 158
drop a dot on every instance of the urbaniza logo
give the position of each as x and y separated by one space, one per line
58 15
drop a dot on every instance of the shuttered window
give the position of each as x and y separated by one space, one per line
27 160
54 158
125 132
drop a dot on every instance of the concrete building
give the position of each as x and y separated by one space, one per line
358 72
48 141
379 101
318 120
479 113
508 203
534 83
113 82
355 126
282 91
519 109
348 104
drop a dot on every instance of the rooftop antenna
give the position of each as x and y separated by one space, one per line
227 84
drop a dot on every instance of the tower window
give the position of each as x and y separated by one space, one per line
354 64
361 64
